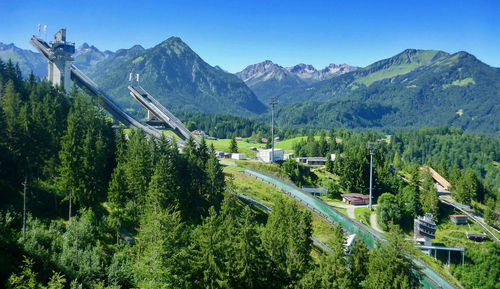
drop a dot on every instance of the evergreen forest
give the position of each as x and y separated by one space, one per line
86 205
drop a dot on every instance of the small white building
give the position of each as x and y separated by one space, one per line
288 156
332 157
219 154
238 156
265 155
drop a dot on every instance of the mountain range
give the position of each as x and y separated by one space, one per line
412 89
267 79
173 73
86 56
28 60
177 77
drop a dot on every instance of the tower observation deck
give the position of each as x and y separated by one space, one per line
60 60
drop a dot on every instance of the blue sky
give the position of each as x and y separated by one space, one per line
234 34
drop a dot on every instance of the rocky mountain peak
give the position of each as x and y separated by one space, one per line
259 69
5 46
337 69
85 45
301 68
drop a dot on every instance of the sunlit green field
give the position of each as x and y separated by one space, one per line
243 146
266 194
289 143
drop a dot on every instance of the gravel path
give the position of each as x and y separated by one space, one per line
350 212
374 224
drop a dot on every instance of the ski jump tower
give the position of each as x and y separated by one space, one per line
60 60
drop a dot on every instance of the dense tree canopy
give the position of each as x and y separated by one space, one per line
145 215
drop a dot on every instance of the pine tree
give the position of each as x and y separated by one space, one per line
121 147
138 166
286 241
233 146
249 257
86 153
358 261
207 263
390 266
71 171
411 201
215 181
203 151
118 192
164 190
333 268
329 165
11 104
397 161
163 260
230 226
429 197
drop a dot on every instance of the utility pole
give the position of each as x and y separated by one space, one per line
25 184
69 214
371 147
273 102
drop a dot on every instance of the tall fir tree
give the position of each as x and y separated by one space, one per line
138 166
333 267
286 239
233 146
390 265
429 197
207 264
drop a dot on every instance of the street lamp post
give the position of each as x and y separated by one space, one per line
273 102
371 147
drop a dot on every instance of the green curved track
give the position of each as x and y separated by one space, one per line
431 278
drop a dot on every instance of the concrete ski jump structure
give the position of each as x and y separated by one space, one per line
62 72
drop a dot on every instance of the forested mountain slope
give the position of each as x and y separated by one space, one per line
173 73
413 89
177 77
27 60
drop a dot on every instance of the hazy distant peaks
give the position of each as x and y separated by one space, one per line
259 69
87 48
307 71
301 70
339 69
5 46
85 45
